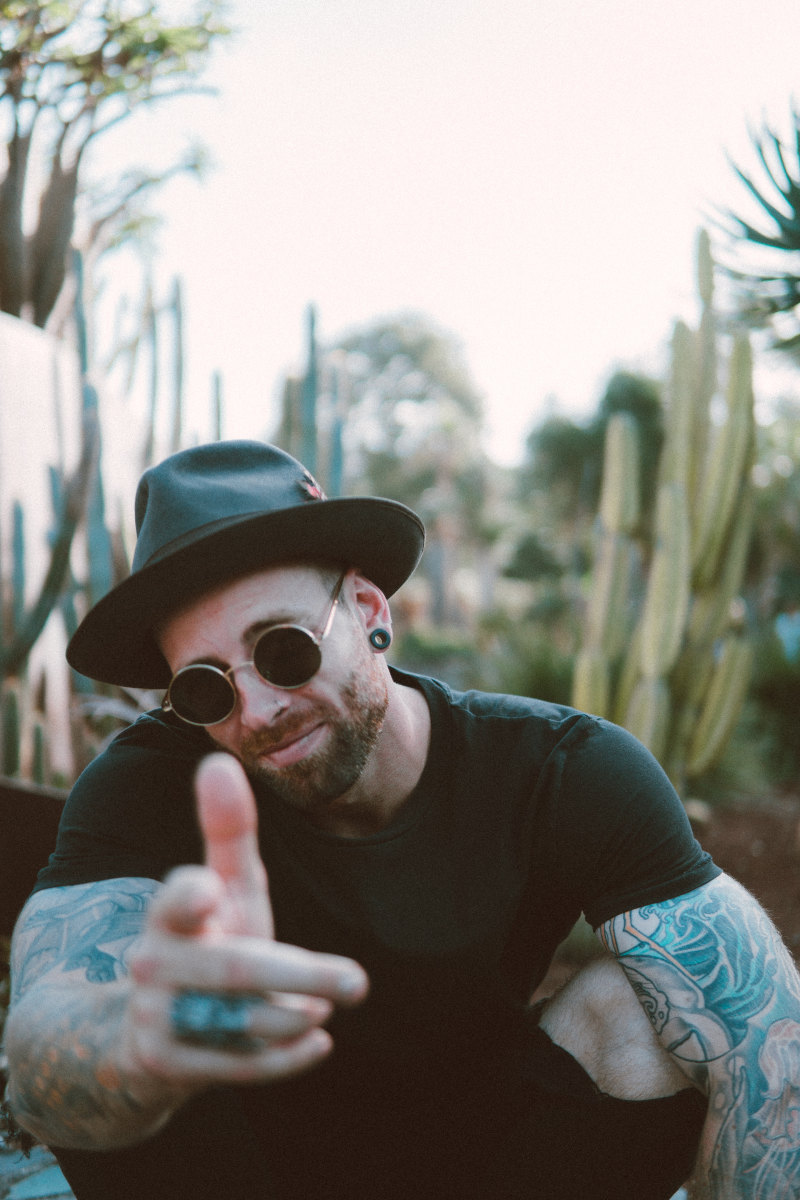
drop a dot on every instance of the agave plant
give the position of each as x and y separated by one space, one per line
771 298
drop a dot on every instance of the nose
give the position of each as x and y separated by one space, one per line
260 703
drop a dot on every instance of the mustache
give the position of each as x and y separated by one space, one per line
261 741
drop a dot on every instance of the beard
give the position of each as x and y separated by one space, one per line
322 777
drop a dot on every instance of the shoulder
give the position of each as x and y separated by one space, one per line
131 812
154 749
475 710
155 735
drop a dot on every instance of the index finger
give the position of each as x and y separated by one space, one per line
228 820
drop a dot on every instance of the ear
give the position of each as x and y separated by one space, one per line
368 603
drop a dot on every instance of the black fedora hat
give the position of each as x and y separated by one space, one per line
214 513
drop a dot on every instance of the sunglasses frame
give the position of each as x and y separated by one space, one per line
228 675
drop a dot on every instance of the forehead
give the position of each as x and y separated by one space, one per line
285 593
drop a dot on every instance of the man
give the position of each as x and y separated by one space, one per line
362 1028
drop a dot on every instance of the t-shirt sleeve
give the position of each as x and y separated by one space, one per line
131 813
620 830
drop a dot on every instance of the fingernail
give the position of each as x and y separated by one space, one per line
353 985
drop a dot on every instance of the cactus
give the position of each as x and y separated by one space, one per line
217 407
176 308
308 399
666 601
721 705
336 456
619 496
14 654
76 493
671 668
608 599
648 714
40 770
12 728
591 687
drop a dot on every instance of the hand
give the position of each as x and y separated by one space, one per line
210 930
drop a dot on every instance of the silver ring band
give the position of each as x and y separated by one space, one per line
214 1020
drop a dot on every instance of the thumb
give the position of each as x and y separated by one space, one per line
226 810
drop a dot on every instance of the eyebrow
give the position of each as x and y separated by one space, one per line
252 633
249 636
207 660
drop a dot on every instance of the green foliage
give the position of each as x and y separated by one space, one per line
558 451
565 459
762 295
412 406
774 565
502 655
528 662
449 655
533 560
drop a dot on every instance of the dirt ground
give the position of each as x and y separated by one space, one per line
759 844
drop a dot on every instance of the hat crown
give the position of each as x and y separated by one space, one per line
194 492
214 513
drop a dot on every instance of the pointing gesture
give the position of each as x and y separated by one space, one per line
215 997
229 822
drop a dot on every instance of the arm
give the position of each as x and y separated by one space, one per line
723 995
70 989
93 1060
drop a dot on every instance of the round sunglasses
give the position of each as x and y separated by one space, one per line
285 656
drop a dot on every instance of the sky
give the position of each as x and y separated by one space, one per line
529 174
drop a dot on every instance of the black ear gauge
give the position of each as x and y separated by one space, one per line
380 639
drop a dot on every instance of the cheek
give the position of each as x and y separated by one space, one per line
226 735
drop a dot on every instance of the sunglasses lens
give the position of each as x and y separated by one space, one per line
201 695
286 657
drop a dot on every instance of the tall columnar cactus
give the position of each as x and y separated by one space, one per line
662 654
615 556
308 398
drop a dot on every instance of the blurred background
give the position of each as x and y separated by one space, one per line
531 268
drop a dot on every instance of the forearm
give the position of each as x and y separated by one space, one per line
72 1080
750 1147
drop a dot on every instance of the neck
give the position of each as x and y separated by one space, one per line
392 773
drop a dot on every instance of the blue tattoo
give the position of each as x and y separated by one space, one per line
723 994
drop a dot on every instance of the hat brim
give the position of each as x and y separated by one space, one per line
115 643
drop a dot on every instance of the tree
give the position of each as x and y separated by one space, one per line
70 70
770 298
413 409
397 397
559 483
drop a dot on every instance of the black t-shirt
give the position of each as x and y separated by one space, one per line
526 815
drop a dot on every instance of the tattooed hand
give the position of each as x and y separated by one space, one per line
96 1057
723 994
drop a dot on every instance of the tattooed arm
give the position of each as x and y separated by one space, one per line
70 990
94 1058
723 994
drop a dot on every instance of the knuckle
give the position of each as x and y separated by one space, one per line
143 964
